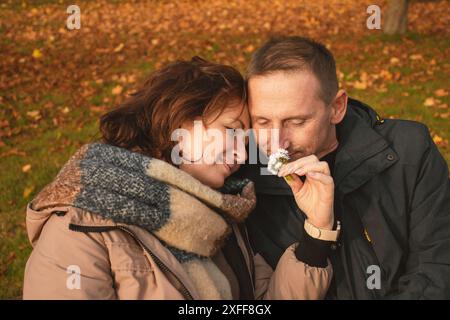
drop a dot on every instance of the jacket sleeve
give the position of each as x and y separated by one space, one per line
292 279
427 274
68 265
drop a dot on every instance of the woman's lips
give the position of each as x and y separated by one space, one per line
230 168
227 167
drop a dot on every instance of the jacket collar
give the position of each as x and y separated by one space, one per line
362 151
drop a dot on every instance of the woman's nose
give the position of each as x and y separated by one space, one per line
240 154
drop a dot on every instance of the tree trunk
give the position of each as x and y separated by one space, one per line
396 17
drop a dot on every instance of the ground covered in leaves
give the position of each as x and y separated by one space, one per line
54 82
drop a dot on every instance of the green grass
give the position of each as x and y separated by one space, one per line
406 101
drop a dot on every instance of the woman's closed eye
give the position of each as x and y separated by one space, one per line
237 133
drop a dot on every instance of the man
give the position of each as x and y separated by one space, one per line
392 191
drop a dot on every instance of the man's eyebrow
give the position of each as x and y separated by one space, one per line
300 116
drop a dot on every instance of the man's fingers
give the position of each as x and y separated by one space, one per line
294 182
321 166
320 177
294 166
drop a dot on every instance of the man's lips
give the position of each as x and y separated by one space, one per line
295 154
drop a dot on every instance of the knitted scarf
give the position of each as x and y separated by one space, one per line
190 219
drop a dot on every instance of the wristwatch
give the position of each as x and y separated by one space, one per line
322 234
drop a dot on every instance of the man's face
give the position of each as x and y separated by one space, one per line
290 102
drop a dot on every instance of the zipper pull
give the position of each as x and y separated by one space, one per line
366 234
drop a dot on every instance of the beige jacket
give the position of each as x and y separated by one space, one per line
79 255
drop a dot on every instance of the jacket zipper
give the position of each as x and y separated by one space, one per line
249 252
161 265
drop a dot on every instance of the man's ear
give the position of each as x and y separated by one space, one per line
339 107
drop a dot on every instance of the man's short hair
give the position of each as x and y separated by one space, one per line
297 54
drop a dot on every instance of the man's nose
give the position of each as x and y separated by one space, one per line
283 138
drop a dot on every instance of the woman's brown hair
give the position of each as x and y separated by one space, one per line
182 91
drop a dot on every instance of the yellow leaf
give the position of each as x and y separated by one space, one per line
27 191
131 78
34 114
416 57
117 90
119 47
437 139
386 75
360 85
26 168
429 102
394 60
250 48
99 109
440 93
37 54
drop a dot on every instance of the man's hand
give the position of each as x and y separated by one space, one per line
315 196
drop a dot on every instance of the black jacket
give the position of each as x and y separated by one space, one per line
393 201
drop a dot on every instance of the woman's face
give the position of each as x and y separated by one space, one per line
217 146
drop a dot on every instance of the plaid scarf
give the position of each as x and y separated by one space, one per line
189 218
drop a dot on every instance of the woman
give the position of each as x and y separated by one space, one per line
122 221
